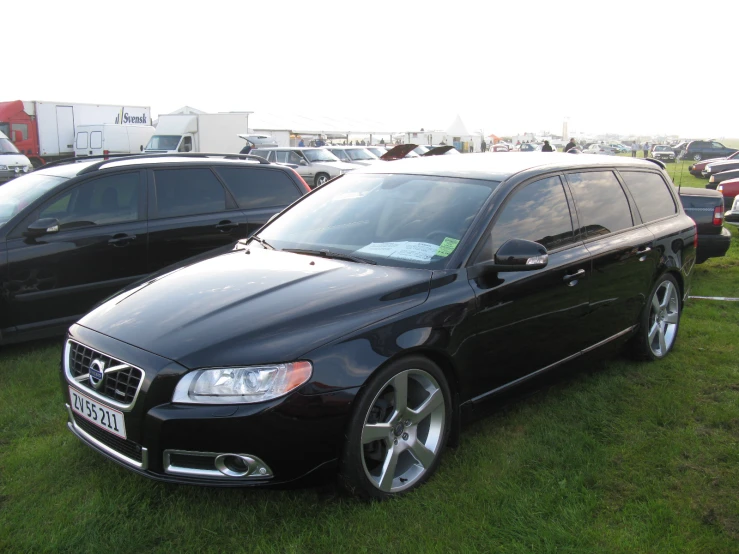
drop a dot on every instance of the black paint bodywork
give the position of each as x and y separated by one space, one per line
487 332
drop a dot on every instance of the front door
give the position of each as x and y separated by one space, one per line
100 247
528 320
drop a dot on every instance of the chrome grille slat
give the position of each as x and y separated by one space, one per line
120 386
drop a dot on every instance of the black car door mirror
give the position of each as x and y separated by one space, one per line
513 255
42 227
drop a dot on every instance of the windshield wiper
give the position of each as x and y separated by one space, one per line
262 242
332 255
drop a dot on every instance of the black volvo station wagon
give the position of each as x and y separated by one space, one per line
359 327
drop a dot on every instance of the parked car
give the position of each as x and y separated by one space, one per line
732 216
601 149
701 149
706 208
360 326
729 190
356 155
663 152
74 233
499 148
314 165
720 166
620 148
12 163
697 168
716 178
377 150
528 147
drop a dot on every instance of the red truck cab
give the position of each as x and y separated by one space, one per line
21 129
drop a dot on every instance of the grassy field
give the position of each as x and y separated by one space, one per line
617 456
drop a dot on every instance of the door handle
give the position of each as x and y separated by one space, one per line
573 276
121 239
644 250
225 226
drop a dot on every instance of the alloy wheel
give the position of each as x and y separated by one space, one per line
402 432
664 316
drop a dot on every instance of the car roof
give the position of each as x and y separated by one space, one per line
501 165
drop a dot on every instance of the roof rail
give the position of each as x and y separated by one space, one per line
657 162
70 160
99 165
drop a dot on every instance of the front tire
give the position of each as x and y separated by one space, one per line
660 320
398 431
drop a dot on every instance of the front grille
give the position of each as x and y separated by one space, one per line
127 448
120 385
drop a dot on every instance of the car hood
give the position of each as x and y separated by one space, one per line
14 160
723 165
262 307
398 152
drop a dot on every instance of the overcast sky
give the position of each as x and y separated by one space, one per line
623 67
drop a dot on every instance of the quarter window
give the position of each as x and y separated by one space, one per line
601 203
259 188
188 192
651 193
103 201
538 212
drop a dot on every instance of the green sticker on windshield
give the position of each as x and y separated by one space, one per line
447 247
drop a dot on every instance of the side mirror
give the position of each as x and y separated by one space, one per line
513 255
42 227
141 148
303 162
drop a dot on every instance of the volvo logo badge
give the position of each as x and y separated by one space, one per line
97 369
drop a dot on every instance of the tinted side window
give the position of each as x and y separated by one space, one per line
110 199
601 203
537 212
259 188
651 193
281 156
188 192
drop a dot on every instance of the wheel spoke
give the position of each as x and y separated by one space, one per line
388 469
671 317
400 384
375 431
668 295
434 400
423 455
655 303
662 343
653 332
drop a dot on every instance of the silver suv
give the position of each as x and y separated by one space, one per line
314 165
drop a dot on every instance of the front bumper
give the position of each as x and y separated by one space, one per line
713 246
732 217
293 437
8 174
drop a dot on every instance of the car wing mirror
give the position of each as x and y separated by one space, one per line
513 255
42 227
303 162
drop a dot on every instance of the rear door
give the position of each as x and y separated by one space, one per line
260 192
190 213
100 247
623 252
65 129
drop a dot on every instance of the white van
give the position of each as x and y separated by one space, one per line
12 163
108 138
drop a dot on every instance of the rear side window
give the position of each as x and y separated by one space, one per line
651 193
601 203
188 192
259 188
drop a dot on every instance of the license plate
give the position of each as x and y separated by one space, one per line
98 414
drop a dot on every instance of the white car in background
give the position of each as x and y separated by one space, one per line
355 155
314 165
602 149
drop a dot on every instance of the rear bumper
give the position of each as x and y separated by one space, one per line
713 246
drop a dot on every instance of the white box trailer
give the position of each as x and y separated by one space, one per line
218 132
96 140
56 122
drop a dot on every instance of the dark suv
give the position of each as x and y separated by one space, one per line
366 321
703 149
74 233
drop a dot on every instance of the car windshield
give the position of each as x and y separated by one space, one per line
163 142
21 192
360 154
396 220
7 147
320 156
377 151
661 148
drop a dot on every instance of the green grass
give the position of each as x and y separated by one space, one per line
610 457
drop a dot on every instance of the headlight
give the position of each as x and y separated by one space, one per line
720 187
712 179
27 168
241 385
708 170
